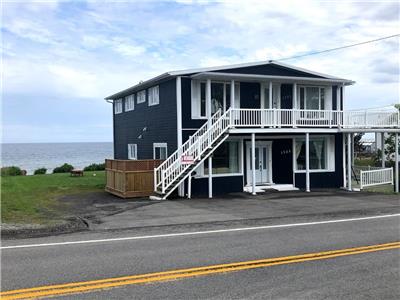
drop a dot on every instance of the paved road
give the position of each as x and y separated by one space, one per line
372 275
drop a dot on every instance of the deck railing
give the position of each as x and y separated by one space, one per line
376 177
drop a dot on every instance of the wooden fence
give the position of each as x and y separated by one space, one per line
130 178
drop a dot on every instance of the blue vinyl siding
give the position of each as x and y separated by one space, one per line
159 121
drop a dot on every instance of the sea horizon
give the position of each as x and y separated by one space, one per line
31 156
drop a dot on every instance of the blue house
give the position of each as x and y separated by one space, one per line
240 127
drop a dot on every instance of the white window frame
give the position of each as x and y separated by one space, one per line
130 102
330 154
327 94
200 168
196 97
160 145
141 96
118 106
154 95
132 151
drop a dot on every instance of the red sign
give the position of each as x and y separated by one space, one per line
187 159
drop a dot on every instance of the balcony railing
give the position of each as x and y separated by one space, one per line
313 118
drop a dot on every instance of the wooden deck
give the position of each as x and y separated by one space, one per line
130 178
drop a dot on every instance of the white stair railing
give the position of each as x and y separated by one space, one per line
376 177
173 167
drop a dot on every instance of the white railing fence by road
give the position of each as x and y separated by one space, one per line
376 177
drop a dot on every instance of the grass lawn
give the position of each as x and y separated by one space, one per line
33 199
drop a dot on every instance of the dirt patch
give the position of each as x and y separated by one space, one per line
79 212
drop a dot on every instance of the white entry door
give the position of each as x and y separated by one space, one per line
263 163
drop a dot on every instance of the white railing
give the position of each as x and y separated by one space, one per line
172 168
313 118
376 177
195 146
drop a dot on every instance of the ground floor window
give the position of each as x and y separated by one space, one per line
225 159
132 151
160 150
321 153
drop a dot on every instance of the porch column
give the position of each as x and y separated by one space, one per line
342 104
307 162
383 149
181 188
349 160
253 162
270 95
233 94
352 150
396 160
294 95
208 107
189 194
210 177
344 159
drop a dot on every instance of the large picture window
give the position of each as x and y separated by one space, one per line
321 154
225 159
220 98
312 98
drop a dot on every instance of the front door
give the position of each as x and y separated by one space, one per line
263 157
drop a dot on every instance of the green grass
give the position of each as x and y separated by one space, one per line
364 161
33 199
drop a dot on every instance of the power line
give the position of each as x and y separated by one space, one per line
339 48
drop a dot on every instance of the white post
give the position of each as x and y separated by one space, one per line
253 162
270 95
343 98
189 195
208 104
383 149
307 162
181 188
233 93
352 149
396 167
349 160
344 159
295 95
210 177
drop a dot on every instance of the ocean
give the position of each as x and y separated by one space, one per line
30 157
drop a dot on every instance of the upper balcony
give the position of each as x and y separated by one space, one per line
363 120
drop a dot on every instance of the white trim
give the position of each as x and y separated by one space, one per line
349 161
256 77
132 151
181 189
307 162
160 145
154 95
210 177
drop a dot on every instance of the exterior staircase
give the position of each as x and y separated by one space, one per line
173 171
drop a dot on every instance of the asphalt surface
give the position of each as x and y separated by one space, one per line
363 276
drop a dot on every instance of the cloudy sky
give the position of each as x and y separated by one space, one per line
61 58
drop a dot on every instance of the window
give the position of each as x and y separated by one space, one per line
130 102
154 96
132 151
322 154
312 97
220 98
160 151
118 106
225 159
141 96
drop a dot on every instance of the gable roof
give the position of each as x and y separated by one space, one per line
305 73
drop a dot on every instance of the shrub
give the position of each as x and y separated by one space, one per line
65 168
11 171
95 167
40 171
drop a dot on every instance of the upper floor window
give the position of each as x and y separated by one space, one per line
141 96
130 102
132 151
154 96
160 150
312 97
118 106
220 98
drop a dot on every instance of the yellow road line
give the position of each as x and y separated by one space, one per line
86 286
